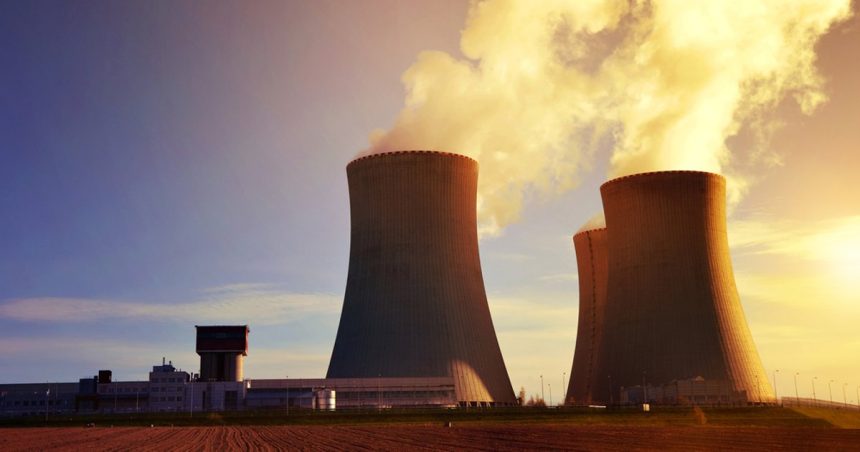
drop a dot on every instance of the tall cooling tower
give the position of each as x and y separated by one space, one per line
591 263
415 304
672 308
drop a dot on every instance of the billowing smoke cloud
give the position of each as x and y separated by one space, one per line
547 84
598 221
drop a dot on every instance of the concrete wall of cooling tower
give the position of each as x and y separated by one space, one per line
591 262
415 304
672 308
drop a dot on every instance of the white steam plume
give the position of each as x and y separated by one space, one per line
667 80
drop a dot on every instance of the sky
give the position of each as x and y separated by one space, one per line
170 164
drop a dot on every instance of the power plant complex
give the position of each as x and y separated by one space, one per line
660 320
660 316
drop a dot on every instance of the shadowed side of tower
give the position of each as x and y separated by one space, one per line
591 263
415 304
672 308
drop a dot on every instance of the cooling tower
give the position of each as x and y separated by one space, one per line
672 308
591 263
415 304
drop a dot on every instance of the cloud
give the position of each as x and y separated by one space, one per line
560 277
252 304
827 251
798 282
545 85
536 335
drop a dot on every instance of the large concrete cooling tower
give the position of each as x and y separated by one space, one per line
672 309
415 304
591 263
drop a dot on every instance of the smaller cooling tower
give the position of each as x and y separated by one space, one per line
585 378
222 351
672 309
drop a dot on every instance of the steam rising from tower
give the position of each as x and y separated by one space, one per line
415 304
663 83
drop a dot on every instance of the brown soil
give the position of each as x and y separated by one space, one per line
425 437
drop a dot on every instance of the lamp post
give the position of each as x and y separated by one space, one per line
858 397
564 387
796 397
542 399
758 388
814 398
844 397
550 393
775 392
47 393
644 390
287 383
830 388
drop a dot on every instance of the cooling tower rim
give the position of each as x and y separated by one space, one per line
590 230
658 174
416 151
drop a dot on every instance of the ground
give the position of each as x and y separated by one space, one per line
748 429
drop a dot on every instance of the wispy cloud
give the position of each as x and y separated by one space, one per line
819 240
560 277
256 304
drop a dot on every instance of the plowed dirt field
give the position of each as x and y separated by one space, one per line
425 437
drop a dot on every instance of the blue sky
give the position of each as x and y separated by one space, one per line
166 164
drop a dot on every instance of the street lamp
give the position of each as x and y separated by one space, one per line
758 388
47 393
844 397
550 393
644 391
814 398
775 392
564 387
287 382
541 390
796 397
830 388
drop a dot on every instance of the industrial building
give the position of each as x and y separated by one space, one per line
672 312
172 390
222 350
415 304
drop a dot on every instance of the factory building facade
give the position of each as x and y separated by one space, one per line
172 390
415 304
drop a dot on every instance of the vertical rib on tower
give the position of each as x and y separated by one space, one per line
591 263
672 308
415 304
